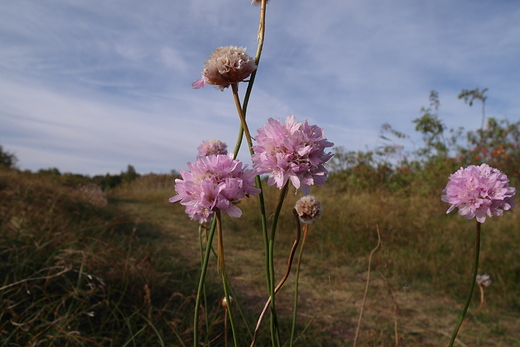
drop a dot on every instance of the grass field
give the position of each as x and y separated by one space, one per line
83 268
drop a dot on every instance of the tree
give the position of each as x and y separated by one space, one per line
7 159
130 174
432 129
470 95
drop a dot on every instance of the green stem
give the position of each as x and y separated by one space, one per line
222 268
268 266
472 287
202 235
295 305
243 123
275 333
202 279
261 36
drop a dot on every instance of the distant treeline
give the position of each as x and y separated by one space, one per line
389 165
8 160
106 182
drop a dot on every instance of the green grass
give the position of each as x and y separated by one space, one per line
77 272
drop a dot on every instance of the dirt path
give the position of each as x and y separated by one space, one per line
330 298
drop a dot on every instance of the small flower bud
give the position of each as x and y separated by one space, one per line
210 147
224 302
308 208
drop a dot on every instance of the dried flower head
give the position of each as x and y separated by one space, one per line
291 151
479 191
226 65
213 182
210 147
308 209
483 280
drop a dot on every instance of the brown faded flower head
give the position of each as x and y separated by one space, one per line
226 65
308 209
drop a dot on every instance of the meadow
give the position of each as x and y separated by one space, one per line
85 267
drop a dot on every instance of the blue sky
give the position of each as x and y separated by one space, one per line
92 86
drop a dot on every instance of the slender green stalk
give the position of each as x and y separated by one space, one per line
284 278
242 111
472 286
202 280
269 267
481 287
295 305
275 332
222 268
243 123
239 308
203 234
261 36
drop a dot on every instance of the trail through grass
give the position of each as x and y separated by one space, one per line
334 270
76 272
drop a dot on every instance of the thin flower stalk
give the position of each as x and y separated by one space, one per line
263 216
366 286
296 284
282 281
243 124
472 286
479 308
259 48
275 332
306 210
203 237
242 111
202 281
222 269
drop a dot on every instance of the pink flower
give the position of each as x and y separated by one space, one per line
291 151
213 182
210 147
483 280
226 65
479 191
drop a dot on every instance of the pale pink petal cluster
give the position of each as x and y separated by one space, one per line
214 182
483 280
479 191
211 147
291 151
226 65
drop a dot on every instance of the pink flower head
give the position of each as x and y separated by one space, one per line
213 182
291 151
479 191
210 147
226 65
483 280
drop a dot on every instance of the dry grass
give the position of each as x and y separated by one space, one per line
145 250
